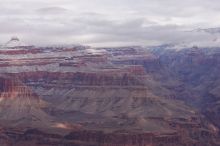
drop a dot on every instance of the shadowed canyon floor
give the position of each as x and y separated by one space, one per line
128 96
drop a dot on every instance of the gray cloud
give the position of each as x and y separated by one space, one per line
107 22
51 10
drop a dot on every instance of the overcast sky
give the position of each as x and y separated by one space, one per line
106 22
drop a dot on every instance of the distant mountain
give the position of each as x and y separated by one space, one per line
15 43
207 37
208 30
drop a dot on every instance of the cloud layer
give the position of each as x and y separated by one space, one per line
107 22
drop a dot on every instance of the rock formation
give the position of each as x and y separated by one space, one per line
128 96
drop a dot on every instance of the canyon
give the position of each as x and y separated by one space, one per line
123 96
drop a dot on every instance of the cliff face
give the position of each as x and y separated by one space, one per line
80 78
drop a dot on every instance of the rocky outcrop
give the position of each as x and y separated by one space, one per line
19 105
